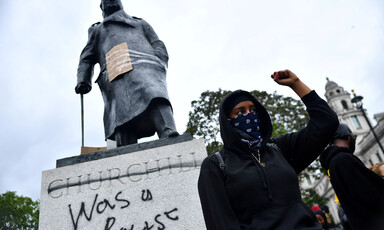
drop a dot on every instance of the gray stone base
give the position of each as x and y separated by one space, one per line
155 188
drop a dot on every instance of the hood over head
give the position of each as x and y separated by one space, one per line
325 208
322 214
230 139
342 131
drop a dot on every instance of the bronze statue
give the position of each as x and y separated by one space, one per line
133 63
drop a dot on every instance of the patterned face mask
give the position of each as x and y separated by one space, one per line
248 123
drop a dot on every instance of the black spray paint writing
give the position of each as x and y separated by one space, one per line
157 222
99 206
146 195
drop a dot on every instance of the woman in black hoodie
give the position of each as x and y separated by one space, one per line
257 187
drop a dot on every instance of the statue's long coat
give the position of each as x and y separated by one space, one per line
129 95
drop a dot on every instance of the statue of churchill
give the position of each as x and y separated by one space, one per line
133 63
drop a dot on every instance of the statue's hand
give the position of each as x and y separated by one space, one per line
82 88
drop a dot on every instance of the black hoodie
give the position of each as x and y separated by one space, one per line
359 190
246 195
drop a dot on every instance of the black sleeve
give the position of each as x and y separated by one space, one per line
217 210
359 190
303 147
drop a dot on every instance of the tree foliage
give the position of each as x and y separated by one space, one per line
287 115
18 212
311 198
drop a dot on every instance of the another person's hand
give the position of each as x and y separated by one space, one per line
82 88
378 168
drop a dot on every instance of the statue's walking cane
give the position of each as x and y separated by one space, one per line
82 120
85 150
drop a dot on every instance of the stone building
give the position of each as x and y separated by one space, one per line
367 148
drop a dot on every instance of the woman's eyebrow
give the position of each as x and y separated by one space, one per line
240 107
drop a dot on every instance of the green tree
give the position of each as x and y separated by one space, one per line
287 115
18 212
311 198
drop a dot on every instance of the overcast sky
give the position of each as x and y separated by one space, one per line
212 44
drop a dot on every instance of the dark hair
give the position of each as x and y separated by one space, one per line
325 208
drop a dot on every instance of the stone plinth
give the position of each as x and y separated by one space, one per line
153 188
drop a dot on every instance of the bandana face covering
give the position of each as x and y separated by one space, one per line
248 123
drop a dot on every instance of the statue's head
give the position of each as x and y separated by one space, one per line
110 6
